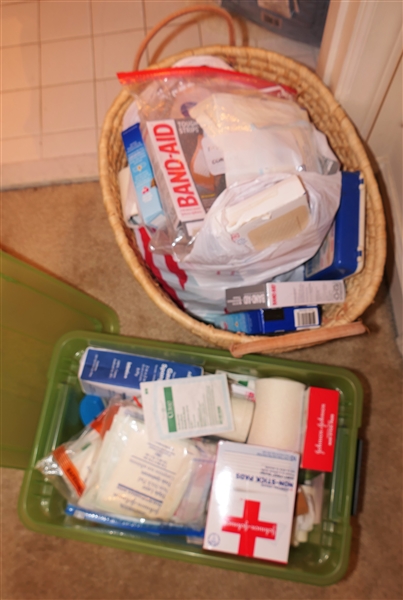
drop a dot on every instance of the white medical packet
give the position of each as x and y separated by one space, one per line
137 477
188 407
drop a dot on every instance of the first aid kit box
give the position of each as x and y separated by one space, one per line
51 365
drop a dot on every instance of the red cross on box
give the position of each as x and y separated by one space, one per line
249 528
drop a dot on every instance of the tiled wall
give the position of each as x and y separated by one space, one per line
59 65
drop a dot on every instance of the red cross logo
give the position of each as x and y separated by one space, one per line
249 527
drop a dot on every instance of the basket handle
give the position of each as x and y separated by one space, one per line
184 11
299 339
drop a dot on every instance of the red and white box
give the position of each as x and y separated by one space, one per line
322 407
252 502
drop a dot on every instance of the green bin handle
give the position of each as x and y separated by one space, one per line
357 477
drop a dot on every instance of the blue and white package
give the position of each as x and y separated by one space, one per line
149 202
107 373
271 321
342 251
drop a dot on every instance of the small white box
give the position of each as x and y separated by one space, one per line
284 294
273 215
303 293
252 502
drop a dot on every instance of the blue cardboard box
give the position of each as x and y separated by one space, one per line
270 321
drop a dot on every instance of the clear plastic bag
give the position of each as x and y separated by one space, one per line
190 515
136 478
70 465
187 164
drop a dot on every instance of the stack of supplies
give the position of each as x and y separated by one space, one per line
227 460
233 194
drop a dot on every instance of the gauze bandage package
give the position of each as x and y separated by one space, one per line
187 408
113 475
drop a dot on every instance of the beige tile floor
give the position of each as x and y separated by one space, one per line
59 64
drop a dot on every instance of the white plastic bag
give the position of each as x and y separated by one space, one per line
216 249
217 262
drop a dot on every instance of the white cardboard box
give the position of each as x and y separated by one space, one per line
252 502
275 214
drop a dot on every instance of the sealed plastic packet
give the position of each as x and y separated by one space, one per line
136 478
192 510
188 519
129 196
69 466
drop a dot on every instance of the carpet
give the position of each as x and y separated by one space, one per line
64 231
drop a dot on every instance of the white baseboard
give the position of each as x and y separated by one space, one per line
394 263
69 169
396 296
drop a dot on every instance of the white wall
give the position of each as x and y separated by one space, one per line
361 62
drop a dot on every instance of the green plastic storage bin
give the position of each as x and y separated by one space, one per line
36 310
321 561
40 398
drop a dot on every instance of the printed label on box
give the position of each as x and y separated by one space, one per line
142 174
107 373
284 294
187 407
321 429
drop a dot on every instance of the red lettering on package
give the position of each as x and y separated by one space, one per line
273 299
321 429
169 154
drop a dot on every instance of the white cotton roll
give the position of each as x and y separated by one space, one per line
242 414
277 422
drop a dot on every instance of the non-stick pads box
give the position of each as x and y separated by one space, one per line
108 373
252 502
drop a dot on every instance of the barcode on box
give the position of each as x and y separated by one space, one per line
306 317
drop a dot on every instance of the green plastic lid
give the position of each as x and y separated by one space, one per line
36 310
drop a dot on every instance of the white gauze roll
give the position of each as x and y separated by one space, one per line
242 414
277 422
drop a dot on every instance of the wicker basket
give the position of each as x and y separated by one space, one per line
329 117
